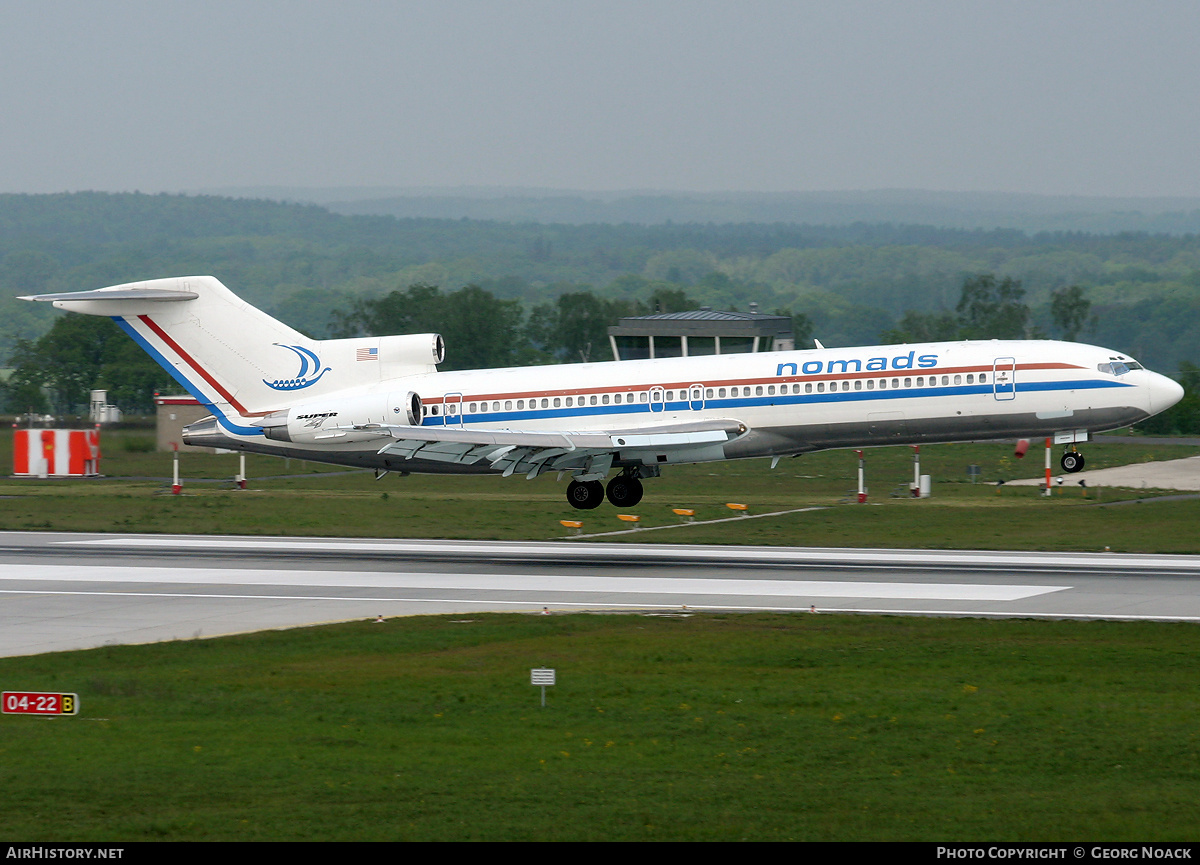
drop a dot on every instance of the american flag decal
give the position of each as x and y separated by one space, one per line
366 354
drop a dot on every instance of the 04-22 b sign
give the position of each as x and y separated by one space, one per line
38 703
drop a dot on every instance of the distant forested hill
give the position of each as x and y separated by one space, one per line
301 262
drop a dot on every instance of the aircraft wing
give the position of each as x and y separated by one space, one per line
534 452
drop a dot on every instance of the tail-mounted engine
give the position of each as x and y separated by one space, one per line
349 419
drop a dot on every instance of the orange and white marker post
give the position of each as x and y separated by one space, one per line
1049 446
862 490
916 484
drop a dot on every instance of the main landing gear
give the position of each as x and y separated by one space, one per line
624 491
1072 461
586 495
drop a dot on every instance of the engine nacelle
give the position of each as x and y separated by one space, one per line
412 349
333 420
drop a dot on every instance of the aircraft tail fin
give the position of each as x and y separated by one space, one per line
236 359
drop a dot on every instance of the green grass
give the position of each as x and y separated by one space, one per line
298 498
715 727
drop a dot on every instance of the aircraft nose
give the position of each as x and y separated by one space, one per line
1164 393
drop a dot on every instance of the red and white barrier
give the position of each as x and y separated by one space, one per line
56 453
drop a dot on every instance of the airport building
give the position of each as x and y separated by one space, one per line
699 332
172 414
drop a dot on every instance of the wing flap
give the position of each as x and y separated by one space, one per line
534 452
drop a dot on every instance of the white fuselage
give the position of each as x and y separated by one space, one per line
790 402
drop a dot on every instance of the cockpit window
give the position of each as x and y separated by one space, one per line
1118 367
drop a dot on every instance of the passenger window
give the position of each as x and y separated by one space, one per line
908 382
982 378
758 390
571 401
642 397
556 402
545 402
508 405
605 399
858 384
808 387
708 393
945 380
970 378
883 384
870 384
920 381
483 406
771 390
895 382
958 379
721 392
820 387
474 408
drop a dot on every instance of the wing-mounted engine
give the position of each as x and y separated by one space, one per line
348 419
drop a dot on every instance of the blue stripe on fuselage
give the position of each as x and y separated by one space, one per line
183 380
766 400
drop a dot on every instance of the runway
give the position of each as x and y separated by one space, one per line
71 591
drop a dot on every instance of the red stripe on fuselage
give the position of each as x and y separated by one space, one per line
743 382
175 347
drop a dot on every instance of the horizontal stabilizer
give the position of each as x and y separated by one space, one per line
115 294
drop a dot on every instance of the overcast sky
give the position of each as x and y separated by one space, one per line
1088 98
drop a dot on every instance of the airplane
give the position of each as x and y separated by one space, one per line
380 402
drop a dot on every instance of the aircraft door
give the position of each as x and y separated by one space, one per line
657 398
1004 378
696 397
453 409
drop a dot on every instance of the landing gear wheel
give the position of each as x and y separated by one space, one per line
1072 462
624 491
585 496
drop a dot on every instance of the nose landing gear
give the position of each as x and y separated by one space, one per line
1072 461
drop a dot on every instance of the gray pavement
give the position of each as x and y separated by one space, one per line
1181 474
62 591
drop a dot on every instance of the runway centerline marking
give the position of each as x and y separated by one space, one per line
540 583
